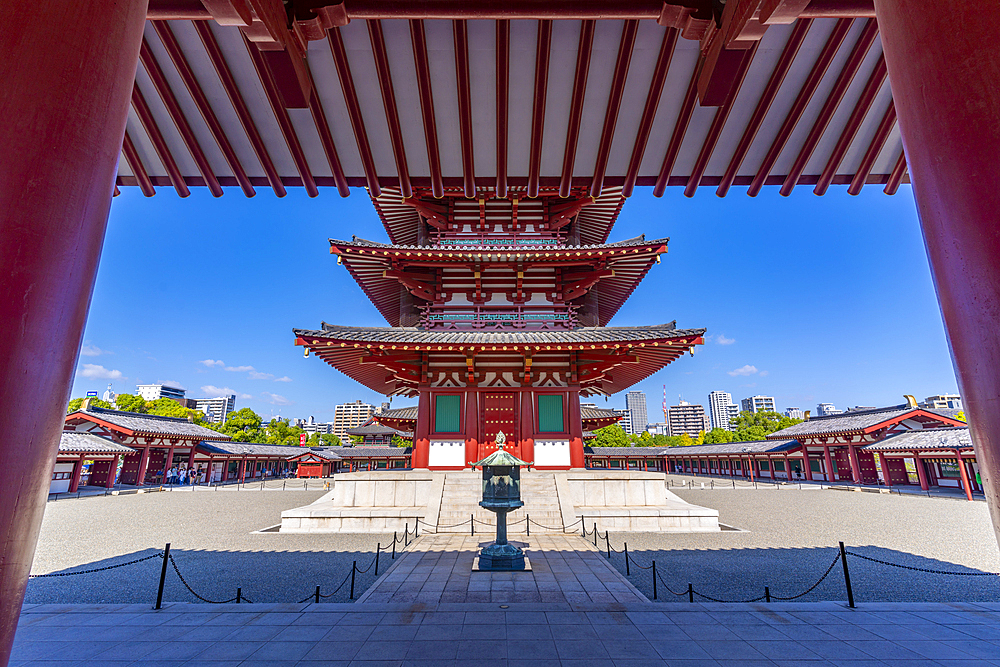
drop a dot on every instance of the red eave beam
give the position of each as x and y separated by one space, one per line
389 103
461 30
542 51
583 52
423 71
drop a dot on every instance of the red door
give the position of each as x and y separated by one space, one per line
499 414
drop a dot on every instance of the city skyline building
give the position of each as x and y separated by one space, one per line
687 418
635 403
626 420
721 409
943 402
154 392
216 409
350 415
827 409
794 413
758 403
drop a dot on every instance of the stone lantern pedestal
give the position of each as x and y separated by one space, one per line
501 494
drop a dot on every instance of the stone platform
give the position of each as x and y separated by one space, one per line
565 568
389 501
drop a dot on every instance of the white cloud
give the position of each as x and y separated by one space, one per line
211 391
239 369
275 399
284 378
763 374
212 362
92 351
722 340
96 372
744 370
257 375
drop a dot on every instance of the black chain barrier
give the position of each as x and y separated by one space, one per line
924 569
180 576
813 587
96 569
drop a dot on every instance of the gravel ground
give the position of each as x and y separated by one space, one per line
791 538
212 543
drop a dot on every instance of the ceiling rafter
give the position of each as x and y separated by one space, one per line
141 108
239 105
389 103
503 95
542 50
339 53
176 56
464 92
649 110
874 148
418 37
583 53
622 63
844 79
138 170
677 135
808 89
162 88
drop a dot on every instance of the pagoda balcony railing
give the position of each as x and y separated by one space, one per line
499 317
494 241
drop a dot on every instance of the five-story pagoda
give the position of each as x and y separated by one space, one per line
498 310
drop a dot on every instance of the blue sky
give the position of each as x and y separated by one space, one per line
807 299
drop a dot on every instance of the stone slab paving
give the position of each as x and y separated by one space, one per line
564 568
513 635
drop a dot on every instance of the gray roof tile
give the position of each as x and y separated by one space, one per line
924 439
754 447
79 443
233 448
141 423
848 421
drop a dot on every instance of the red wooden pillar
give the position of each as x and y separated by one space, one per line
140 478
471 424
921 471
74 482
806 468
575 430
852 456
945 72
421 435
109 483
830 476
241 473
965 474
67 73
788 468
885 468
170 459
527 425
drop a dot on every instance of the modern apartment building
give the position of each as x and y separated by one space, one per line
943 402
687 418
216 409
626 420
635 402
794 413
153 392
827 409
313 426
350 415
758 404
721 409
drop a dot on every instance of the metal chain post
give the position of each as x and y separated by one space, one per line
767 593
847 577
354 568
378 550
690 592
654 579
627 572
163 576
317 594
239 595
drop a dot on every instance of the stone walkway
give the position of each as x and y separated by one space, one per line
522 635
564 568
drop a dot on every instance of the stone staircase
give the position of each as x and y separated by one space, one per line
464 489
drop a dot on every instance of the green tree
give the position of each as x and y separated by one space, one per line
610 436
331 440
686 440
167 407
243 425
751 426
77 403
718 436
131 403
356 439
